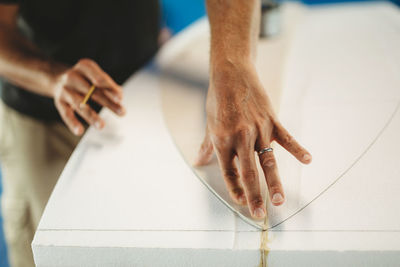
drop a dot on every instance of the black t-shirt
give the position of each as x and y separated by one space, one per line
120 35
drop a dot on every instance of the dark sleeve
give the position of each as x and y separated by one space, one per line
9 1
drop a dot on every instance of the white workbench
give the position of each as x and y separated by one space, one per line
129 196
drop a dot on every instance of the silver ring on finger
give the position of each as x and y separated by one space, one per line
264 150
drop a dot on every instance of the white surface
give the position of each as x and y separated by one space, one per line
341 88
128 198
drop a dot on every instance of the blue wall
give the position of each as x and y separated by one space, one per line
177 14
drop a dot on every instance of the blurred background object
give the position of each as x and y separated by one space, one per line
270 19
314 2
3 250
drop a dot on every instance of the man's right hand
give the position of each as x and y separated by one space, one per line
74 83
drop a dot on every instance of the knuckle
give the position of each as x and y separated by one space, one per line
262 124
99 80
61 110
76 107
69 112
90 114
250 176
65 91
275 186
85 62
231 174
268 161
244 132
221 141
69 75
62 94
256 201
103 99
237 191
288 139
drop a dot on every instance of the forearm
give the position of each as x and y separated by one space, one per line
22 64
234 30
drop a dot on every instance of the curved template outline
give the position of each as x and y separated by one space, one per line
185 36
253 222
388 122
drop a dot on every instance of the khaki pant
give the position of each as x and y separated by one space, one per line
32 156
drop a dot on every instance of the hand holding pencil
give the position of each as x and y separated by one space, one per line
87 96
75 86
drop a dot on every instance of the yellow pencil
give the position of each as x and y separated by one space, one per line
88 95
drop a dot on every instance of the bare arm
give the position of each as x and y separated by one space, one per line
240 118
23 64
20 61
234 30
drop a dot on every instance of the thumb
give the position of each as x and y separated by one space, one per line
205 152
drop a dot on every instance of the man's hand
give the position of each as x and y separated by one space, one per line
240 117
23 64
72 85
241 122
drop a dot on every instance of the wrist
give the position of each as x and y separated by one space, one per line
53 73
226 68
230 59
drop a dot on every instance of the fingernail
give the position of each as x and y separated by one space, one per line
259 213
117 99
197 162
121 111
97 124
277 198
242 199
307 157
77 130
